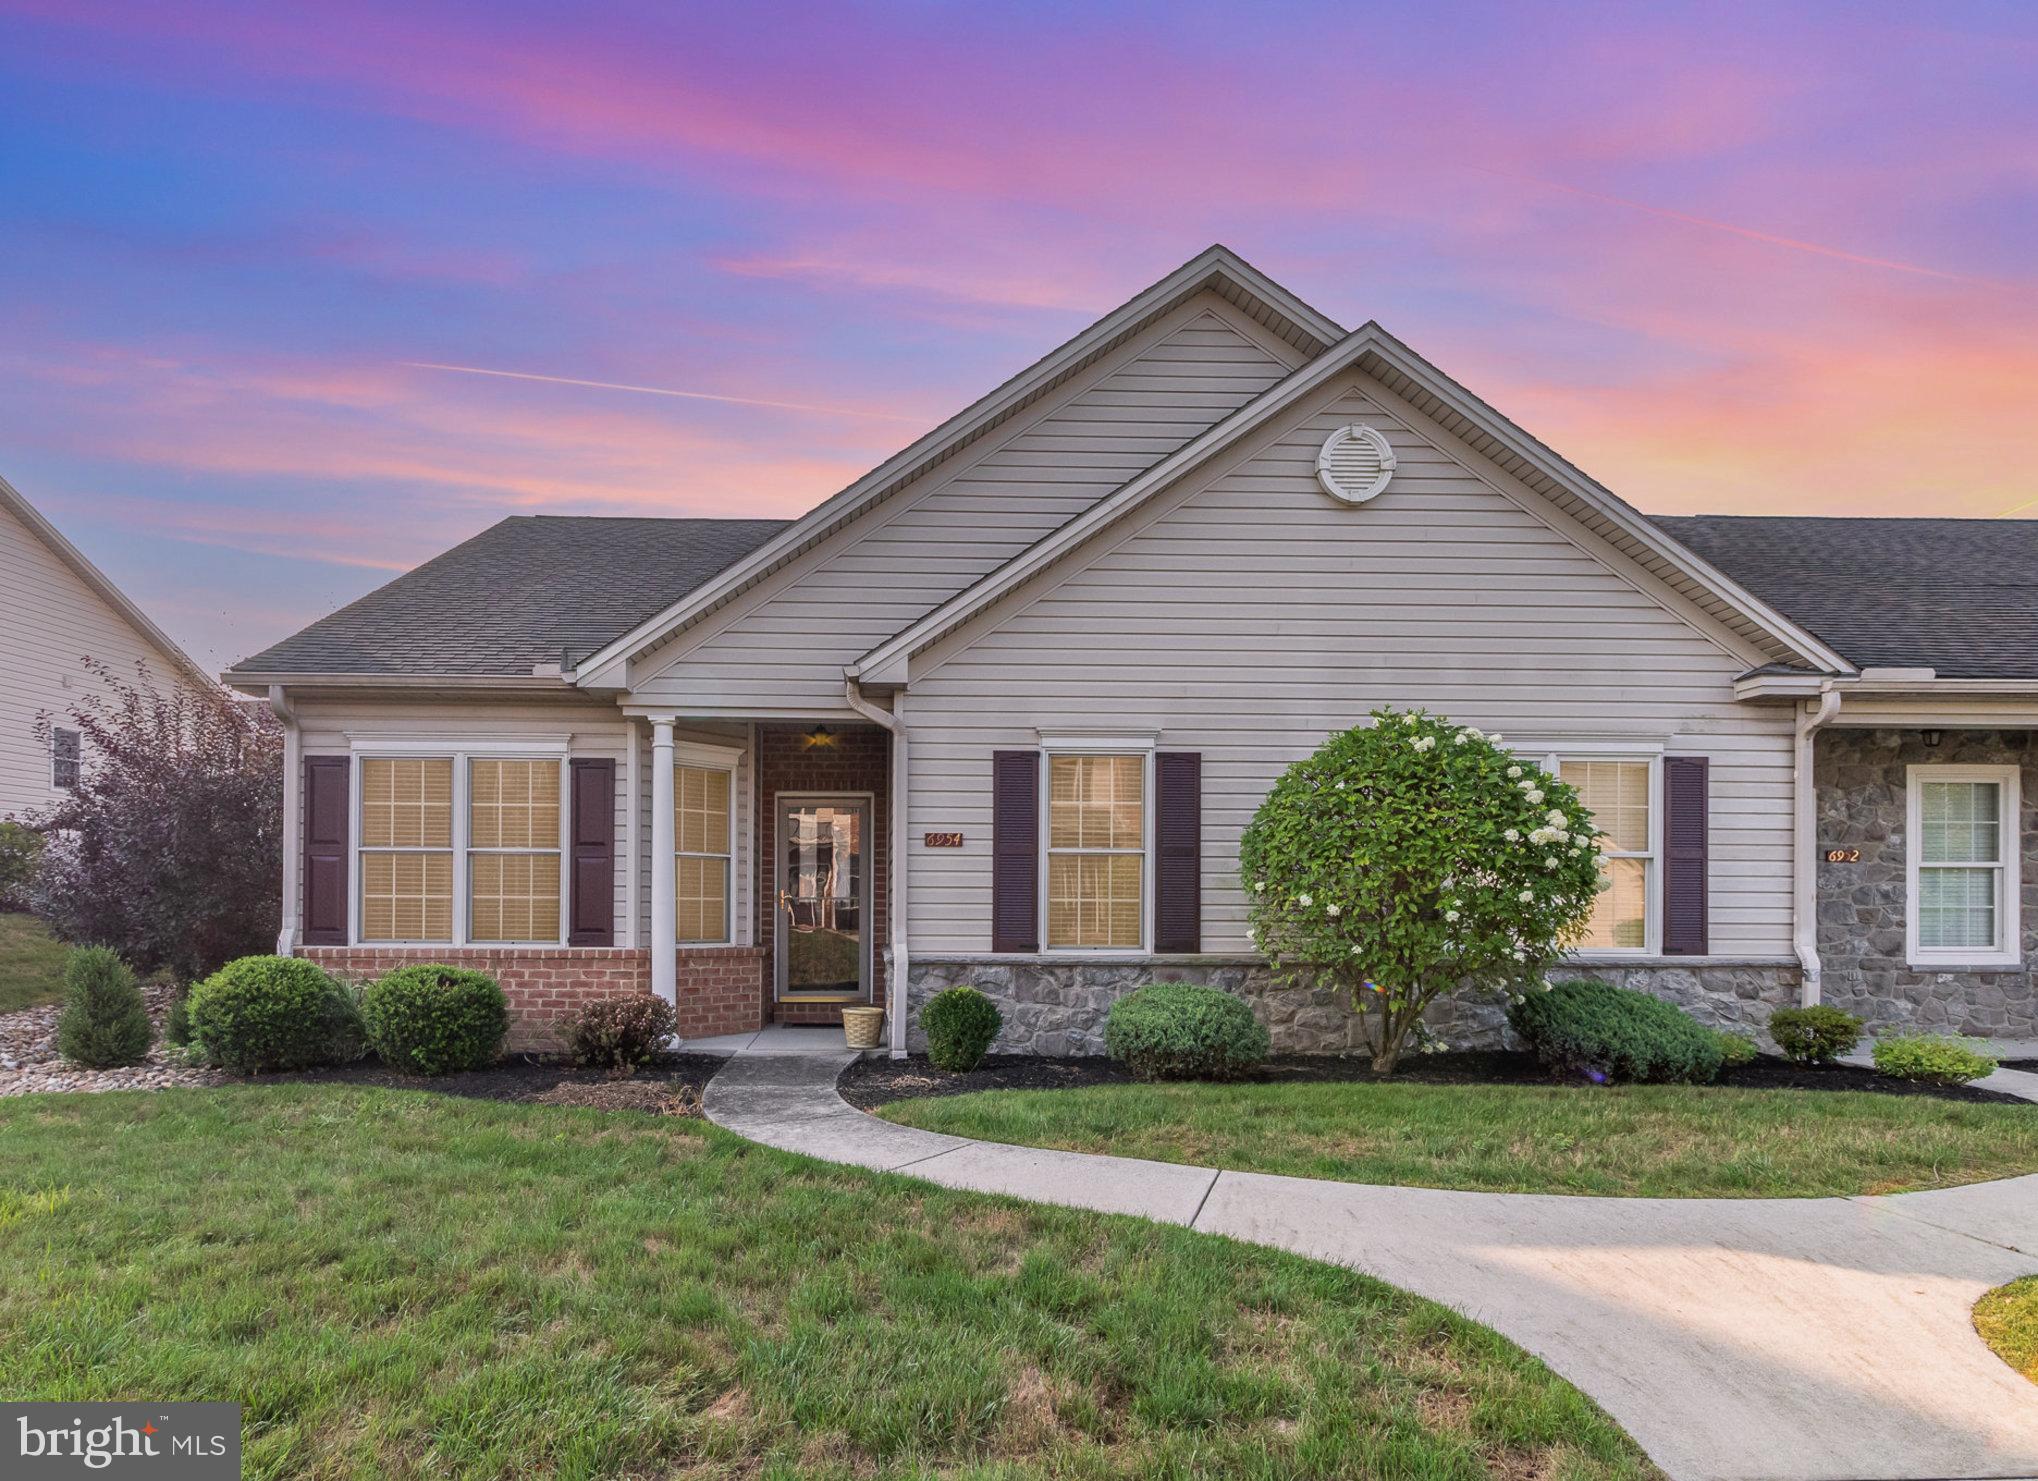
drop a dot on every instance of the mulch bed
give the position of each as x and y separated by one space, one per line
870 1083
670 1087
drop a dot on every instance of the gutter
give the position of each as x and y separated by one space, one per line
895 913
293 778
1804 902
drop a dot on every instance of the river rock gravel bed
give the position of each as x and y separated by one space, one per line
29 1063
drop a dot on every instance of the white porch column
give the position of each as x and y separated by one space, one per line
664 901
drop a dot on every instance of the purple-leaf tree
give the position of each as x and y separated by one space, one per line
169 849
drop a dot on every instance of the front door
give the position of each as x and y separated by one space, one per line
823 887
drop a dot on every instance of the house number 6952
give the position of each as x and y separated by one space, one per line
1843 856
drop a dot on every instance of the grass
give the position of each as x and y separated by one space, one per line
31 963
1644 1141
403 1284
2007 1319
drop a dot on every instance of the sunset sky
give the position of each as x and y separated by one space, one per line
1762 259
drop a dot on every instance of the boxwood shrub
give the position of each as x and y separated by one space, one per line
262 1013
620 1033
104 1023
1595 1031
1178 1031
432 1019
1814 1035
1736 1050
1931 1059
960 1024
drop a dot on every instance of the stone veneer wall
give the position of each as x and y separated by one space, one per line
1861 781
1058 1007
717 986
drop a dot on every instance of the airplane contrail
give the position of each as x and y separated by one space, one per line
1795 244
566 380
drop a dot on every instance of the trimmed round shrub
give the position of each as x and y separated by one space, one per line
260 1013
1814 1035
1595 1031
1932 1059
1177 1031
104 1023
620 1033
1736 1050
960 1024
433 1019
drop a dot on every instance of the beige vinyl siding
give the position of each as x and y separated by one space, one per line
784 646
1245 614
590 729
51 620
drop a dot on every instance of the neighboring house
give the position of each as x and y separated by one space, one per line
998 711
56 610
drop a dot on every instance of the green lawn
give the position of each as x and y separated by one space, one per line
2007 1319
1649 1141
397 1283
31 963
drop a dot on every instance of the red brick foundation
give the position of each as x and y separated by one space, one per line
718 987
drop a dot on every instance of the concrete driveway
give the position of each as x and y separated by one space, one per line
1766 1339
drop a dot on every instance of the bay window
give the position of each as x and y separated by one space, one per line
1963 866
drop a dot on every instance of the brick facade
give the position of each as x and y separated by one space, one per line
719 990
859 761
543 983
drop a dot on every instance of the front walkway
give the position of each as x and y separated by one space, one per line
1733 1338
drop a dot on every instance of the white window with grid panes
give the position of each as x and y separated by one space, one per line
459 847
1620 792
1094 891
704 830
1962 863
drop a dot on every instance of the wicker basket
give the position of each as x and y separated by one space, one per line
863 1028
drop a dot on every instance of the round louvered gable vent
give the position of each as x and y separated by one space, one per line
1355 464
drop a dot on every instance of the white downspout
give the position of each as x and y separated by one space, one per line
1804 902
895 915
664 866
293 782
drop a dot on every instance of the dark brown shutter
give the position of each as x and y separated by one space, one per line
1015 851
593 890
1178 851
1685 805
326 816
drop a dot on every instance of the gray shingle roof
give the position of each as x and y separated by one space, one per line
1956 595
519 593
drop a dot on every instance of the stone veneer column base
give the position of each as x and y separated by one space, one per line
1057 1007
720 988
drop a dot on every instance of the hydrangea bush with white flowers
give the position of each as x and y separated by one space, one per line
1412 858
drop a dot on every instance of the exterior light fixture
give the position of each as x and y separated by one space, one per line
821 736
1931 737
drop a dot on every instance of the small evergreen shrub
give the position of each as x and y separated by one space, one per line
432 1019
620 1033
1814 1035
960 1024
1177 1031
1615 1035
260 1013
1736 1050
1931 1059
104 1023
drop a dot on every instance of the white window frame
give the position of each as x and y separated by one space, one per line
461 754
703 757
76 759
2009 948
1551 759
1142 746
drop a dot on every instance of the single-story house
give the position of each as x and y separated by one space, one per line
58 610
998 711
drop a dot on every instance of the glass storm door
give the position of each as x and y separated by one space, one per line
823 887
